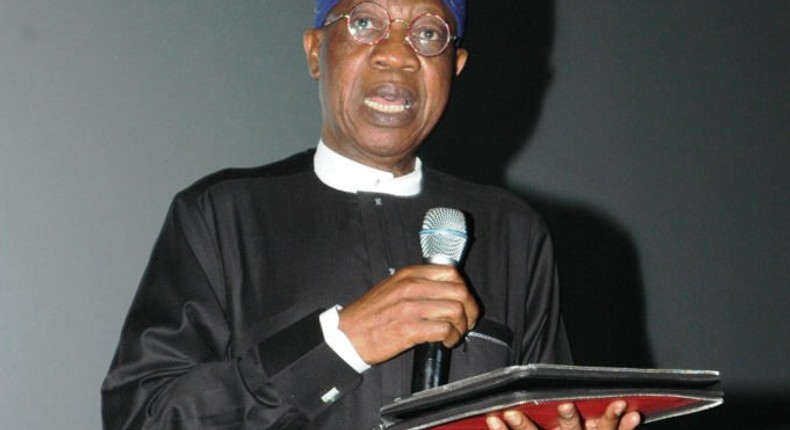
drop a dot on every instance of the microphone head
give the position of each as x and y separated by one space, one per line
443 236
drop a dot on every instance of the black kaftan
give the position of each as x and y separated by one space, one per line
224 333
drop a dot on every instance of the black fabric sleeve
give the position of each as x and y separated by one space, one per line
174 367
305 370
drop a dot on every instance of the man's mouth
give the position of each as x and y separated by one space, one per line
385 106
390 99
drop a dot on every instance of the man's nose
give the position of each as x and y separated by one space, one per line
394 50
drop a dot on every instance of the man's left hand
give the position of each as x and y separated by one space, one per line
614 418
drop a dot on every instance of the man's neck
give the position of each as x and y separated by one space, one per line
345 174
397 165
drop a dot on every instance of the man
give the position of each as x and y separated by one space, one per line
235 324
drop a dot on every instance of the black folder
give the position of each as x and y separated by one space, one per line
537 390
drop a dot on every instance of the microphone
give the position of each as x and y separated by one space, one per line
442 239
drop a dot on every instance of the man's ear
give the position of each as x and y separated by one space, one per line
461 55
312 50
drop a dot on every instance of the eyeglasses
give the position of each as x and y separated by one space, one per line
369 23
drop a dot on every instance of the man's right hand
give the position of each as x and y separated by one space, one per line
417 304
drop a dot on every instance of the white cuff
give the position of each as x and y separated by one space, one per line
338 341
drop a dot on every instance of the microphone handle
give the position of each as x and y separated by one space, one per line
431 361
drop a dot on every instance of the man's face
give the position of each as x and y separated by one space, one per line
380 102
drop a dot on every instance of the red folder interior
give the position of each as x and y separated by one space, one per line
544 413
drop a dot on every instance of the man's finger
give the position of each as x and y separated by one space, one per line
569 417
518 421
510 420
630 421
611 417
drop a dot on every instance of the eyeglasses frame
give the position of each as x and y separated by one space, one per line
451 38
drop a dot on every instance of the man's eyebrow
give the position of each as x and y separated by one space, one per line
419 10
431 10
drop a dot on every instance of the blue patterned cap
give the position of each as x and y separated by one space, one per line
458 7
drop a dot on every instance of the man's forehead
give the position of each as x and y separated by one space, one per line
456 7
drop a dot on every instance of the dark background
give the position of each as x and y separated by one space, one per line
652 135
498 106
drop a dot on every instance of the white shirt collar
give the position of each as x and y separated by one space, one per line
347 175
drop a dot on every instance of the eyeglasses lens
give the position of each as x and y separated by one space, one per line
429 35
368 23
